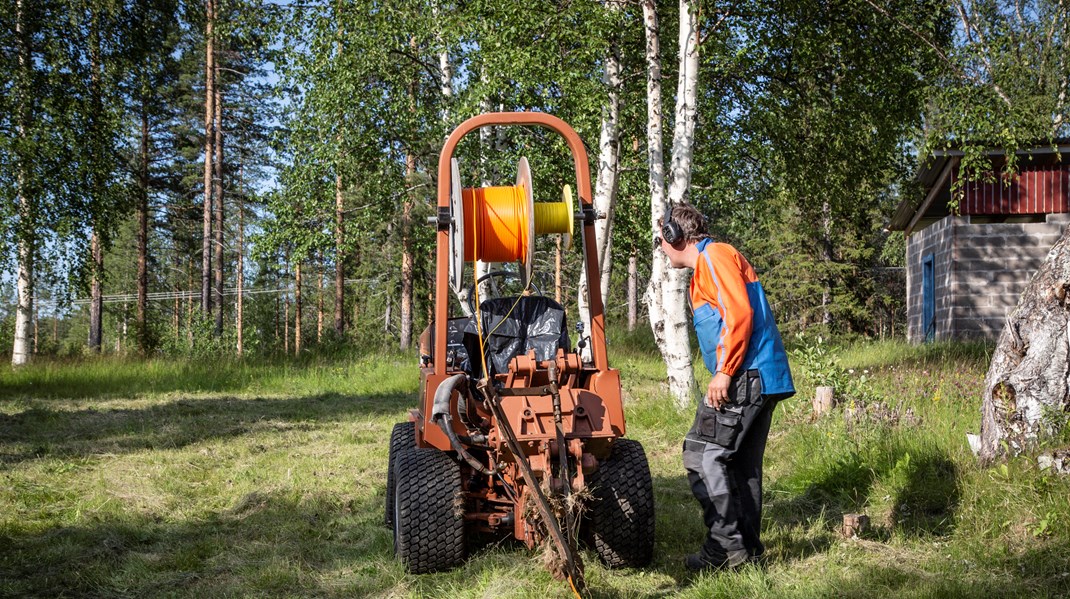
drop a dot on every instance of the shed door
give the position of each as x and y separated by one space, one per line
928 298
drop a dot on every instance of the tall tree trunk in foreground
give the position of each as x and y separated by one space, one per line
20 351
668 317
209 142
218 211
1026 395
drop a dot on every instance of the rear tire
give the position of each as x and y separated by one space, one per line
429 513
621 525
402 437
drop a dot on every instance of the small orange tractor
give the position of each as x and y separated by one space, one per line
517 432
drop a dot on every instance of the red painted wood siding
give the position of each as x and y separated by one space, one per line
1035 190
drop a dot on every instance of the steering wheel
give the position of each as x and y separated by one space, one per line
502 274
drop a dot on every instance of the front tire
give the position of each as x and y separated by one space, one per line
621 525
428 510
401 438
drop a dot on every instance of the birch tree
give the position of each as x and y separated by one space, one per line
667 292
608 161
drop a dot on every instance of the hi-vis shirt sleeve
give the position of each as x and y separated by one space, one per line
732 302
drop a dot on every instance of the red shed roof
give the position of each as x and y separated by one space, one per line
1043 186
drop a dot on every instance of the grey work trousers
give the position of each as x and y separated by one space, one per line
723 455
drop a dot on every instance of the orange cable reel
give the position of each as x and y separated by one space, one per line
499 224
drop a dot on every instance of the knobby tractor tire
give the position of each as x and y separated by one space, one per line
428 512
402 437
621 514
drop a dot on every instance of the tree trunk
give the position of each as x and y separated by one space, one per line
406 257
557 271
633 275
407 270
826 257
96 295
339 259
240 267
319 304
218 210
209 142
606 183
20 351
143 235
297 308
668 289
1026 396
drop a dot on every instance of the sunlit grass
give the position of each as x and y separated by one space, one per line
266 478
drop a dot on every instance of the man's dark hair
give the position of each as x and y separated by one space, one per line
691 221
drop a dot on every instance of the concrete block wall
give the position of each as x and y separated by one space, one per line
936 239
994 263
980 271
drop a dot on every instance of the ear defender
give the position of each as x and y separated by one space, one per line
670 229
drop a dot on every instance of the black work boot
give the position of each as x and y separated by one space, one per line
698 562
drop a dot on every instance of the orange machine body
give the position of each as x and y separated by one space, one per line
592 413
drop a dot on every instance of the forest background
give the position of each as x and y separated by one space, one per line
243 176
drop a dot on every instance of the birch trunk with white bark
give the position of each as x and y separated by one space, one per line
1026 395
667 293
605 193
21 351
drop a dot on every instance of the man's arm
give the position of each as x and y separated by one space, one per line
733 304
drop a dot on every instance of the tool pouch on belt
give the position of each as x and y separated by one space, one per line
723 426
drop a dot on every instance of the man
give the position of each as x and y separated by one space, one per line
743 351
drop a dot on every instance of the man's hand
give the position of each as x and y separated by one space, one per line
717 392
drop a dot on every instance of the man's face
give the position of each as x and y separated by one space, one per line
675 256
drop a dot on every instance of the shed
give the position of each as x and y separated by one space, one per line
965 270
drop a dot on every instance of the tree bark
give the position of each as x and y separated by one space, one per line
633 275
297 308
606 182
407 262
218 211
240 267
319 304
668 289
143 235
406 257
209 142
96 296
339 258
20 351
1026 393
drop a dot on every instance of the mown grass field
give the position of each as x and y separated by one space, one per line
258 479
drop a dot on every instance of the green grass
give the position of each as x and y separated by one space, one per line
254 479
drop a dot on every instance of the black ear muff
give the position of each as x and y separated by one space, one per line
670 229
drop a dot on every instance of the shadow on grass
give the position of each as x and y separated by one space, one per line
265 545
925 486
274 544
72 433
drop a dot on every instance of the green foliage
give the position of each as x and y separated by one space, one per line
1003 83
818 362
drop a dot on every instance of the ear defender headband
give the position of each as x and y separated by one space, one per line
670 229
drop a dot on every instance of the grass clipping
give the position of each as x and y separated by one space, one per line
569 513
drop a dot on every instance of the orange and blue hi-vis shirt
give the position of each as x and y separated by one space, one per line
733 321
